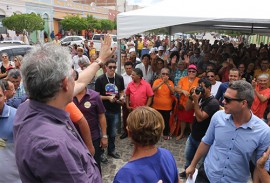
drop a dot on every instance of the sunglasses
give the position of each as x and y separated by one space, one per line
165 74
210 76
112 67
228 99
192 71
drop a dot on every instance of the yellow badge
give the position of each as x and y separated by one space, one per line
87 105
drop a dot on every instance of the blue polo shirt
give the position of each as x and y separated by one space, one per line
6 123
8 168
232 148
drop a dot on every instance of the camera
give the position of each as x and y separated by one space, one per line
199 90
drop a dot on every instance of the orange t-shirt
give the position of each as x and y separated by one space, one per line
187 86
259 107
162 96
74 112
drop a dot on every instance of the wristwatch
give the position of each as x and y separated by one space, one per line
105 136
99 62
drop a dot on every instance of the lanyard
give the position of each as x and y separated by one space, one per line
109 80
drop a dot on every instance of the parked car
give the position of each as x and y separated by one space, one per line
71 40
97 44
13 42
14 49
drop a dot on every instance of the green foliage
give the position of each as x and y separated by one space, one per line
107 25
93 23
115 24
20 22
74 22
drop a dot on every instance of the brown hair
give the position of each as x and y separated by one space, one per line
146 125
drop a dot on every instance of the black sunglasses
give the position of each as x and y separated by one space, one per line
112 67
228 99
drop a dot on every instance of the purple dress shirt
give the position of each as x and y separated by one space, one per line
48 148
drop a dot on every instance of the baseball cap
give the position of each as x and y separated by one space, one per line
192 66
131 50
160 48
153 50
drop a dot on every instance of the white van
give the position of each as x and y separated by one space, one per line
96 40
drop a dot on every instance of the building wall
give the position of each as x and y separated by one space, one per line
45 10
68 7
7 8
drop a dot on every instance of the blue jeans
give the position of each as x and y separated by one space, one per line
112 121
190 149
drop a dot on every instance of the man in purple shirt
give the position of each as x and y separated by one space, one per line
48 148
90 104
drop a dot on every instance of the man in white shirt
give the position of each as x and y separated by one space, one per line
146 68
76 59
127 79
215 84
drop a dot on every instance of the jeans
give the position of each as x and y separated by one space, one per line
98 152
190 150
112 122
166 118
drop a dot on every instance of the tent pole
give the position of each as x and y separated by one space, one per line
118 56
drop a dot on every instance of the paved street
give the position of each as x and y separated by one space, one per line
124 148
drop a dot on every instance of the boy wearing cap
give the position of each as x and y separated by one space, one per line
160 52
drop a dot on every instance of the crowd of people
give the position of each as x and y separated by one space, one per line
61 108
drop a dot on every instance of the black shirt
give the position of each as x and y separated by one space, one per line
110 86
210 106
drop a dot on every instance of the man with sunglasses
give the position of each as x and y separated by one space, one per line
234 75
233 138
111 89
205 106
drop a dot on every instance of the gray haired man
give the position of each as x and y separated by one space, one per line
48 147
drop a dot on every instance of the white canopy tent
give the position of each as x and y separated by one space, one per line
197 15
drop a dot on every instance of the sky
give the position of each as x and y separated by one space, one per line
142 3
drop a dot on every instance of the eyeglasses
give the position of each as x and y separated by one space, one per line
167 74
210 76
228 99
112 67
4 56
192 71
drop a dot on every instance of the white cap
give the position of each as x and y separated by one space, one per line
153 50
131 50
160 48
174 49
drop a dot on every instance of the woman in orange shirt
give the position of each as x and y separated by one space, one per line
163 90
185 85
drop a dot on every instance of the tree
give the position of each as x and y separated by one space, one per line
93 23
74 22
21 22
106 25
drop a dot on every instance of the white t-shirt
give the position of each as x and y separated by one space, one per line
215 87
76 62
